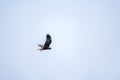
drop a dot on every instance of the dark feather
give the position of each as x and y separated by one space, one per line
47 42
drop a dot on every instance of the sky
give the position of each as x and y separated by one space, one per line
85 39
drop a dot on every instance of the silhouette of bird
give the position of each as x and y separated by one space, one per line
46 44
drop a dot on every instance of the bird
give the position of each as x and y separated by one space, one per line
47 43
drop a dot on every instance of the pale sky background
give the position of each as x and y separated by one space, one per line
85 34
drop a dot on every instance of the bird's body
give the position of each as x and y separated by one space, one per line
46 44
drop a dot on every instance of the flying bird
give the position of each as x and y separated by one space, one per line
47 43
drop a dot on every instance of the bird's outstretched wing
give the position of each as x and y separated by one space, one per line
48 41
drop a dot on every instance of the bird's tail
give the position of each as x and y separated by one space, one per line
41 47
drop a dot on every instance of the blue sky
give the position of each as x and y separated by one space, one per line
85 34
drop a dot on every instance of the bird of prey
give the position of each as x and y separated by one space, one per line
46 44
